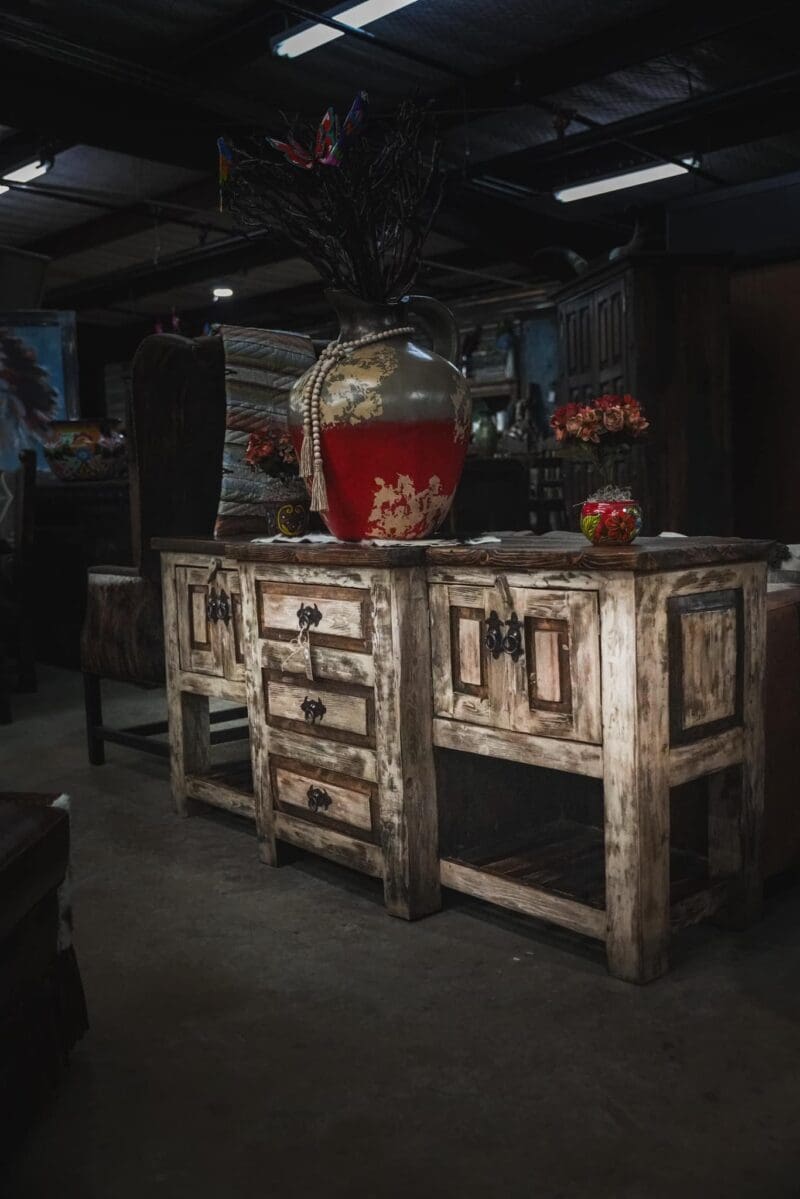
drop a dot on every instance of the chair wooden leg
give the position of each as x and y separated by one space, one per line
94 718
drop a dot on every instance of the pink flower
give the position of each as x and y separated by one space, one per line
614 419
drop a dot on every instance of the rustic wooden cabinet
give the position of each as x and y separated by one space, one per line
657 326
637 669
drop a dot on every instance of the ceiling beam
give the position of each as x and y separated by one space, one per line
769 104
218 258
667 30
190 205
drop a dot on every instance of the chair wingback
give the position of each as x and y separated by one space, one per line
176 429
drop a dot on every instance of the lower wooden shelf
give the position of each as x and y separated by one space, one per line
557 873
228 785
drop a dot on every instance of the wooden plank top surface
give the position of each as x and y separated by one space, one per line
571 551
300 553
513 551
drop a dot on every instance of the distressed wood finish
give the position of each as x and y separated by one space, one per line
200 651
325 755
347 713
572 552
324 797
570 756
341 666
641 667
347 851
752 798
706 666
519 897
409 823
552 689
256 707
341 614
636 786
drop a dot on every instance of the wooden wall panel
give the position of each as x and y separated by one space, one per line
765 302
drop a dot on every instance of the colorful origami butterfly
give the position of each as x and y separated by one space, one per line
329 142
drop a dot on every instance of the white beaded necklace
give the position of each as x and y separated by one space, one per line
311 466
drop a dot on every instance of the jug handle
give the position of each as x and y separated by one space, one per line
439 322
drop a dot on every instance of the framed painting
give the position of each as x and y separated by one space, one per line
38 380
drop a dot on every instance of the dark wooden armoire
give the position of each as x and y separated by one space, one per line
657 326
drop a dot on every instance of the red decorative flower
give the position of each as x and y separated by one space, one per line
619 526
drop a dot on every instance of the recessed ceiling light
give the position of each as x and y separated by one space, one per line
615 183
26 174
222 293
357 16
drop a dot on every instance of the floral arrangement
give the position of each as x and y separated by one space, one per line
357 200
601 432
272 453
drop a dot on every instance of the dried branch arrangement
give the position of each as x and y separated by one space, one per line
356 203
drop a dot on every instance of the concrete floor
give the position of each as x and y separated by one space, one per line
262 1032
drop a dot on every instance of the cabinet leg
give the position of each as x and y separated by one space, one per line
189 738
635 783
731 852
93 703
403 718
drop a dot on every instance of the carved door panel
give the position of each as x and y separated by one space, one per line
200 644
461 658
577 332
554 686
611 317
230 616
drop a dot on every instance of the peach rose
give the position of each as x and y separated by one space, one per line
614 419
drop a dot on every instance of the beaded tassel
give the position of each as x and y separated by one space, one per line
311 464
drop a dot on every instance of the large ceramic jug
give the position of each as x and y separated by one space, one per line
394 421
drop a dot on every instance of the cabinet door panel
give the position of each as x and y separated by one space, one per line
233 643
198 635
555 682
461 662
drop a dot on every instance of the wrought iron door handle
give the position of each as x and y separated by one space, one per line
318 799
493 640
512 642
313 709
224 606
308 616
212 606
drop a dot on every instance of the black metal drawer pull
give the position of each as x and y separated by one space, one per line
308 616
313 709
318 799
494 635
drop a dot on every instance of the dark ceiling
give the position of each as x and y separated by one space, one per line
130 98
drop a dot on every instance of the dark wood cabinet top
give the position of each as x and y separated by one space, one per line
518 551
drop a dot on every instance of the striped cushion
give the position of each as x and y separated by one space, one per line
260 367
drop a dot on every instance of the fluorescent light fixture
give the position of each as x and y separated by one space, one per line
26 174
357 16
616 183
222 293
3 190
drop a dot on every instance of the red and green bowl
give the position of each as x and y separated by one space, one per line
611 522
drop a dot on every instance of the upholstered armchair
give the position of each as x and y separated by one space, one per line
176 425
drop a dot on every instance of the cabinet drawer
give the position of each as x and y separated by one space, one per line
334 616
324 797
330 711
